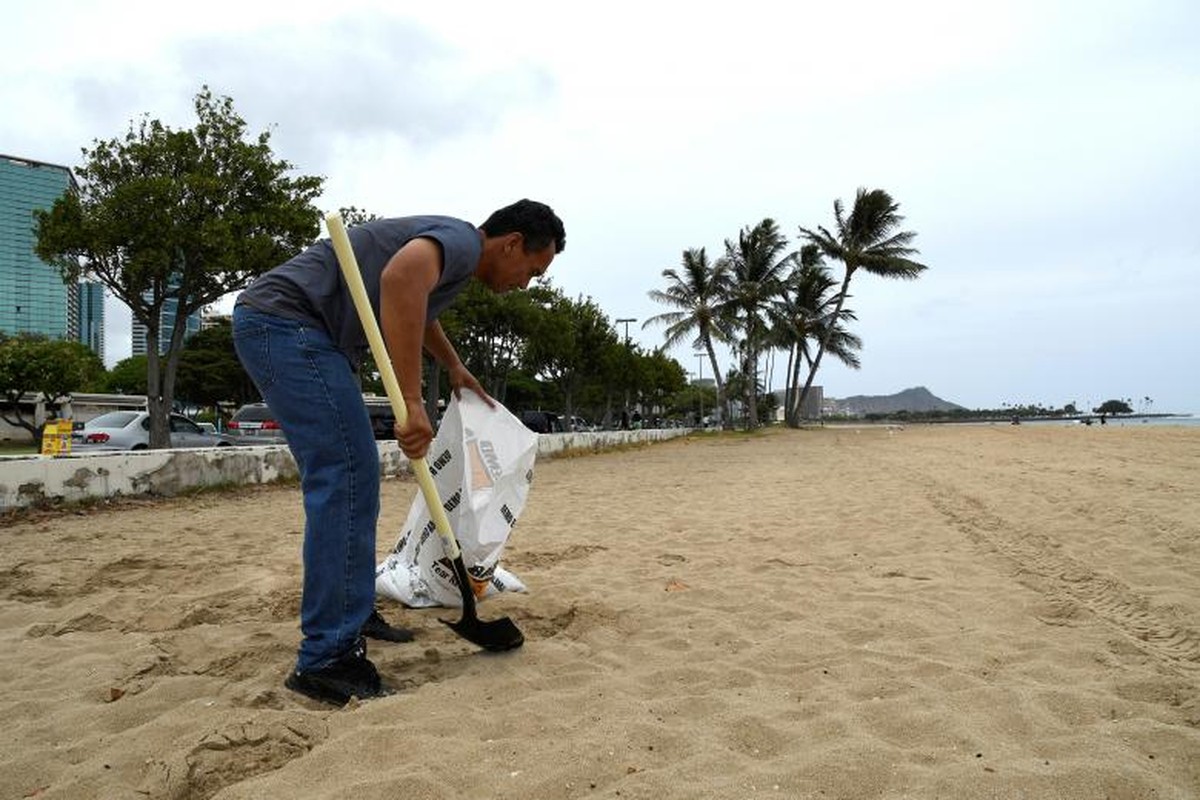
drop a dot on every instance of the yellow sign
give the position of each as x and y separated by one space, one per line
56 438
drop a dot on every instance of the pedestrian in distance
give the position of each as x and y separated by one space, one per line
300 339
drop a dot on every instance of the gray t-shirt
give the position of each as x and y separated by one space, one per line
310 288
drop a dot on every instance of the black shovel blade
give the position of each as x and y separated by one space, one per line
495 636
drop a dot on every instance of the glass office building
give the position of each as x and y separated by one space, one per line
33 297
90 307
166 327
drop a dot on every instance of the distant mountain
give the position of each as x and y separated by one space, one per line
916 399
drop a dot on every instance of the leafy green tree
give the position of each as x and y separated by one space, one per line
737 384
568 343
616 376
184 215
758 263
53 368
521 391
128 376
692 402
869 239
210 372
1114 407
490 331
696 291
664 377
353 215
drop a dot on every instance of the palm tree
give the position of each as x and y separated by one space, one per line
758 266
696 294
842 345
802 314
869 239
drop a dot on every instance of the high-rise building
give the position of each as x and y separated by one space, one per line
33 296
211 319
90 306
166 326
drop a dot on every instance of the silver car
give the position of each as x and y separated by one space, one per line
256 424
130 430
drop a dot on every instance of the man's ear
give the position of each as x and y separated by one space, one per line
514 240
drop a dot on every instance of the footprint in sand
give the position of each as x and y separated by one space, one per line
573 621
234 753
754 737
85 622
552 557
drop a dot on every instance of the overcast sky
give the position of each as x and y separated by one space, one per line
1046 153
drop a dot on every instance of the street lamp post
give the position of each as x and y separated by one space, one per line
625 321
691 379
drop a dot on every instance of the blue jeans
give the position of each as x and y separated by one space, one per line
311 389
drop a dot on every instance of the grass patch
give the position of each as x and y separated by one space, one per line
599 449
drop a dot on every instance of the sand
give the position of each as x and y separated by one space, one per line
933 612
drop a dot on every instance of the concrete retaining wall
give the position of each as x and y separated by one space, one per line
29 480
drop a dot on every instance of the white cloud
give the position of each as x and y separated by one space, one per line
1044 151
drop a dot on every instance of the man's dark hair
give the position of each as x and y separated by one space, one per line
535 221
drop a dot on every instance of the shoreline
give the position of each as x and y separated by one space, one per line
1182 419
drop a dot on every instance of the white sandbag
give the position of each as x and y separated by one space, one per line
482 463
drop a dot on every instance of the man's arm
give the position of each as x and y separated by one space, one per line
440 347
404 288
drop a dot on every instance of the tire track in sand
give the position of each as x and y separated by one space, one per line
1059 577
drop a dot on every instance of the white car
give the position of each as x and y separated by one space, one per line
130 430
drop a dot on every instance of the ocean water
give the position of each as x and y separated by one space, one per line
1188 421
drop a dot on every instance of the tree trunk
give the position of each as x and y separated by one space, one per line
160 430
800 360
750 370
722 413
568 411
31 427
837 313
791 379
160 373
501 388
433 387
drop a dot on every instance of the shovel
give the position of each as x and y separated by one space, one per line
500 634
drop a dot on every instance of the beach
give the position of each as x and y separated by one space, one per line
960 612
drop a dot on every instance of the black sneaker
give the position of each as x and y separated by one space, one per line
376 627
351 675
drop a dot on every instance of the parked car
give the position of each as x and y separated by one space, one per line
130 430
383 420
254 424
541 421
